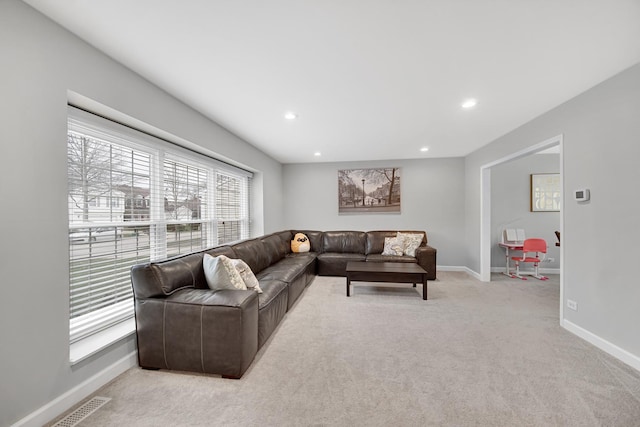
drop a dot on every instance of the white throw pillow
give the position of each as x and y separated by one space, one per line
411 242
221 274
250 280
393 246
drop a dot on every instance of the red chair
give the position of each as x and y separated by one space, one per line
537 246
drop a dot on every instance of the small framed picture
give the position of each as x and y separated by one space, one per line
545 192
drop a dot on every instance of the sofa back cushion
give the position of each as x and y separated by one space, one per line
221 250
315 239
375 239
344 241
278 245
166 277
254 252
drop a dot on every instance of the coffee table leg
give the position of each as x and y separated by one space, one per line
424 288
348 284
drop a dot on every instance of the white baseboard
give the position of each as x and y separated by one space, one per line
458 268
451 268
604 345
80 392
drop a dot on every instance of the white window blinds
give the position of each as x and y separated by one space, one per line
134 198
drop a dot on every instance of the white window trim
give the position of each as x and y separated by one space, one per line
85 347
117 310
88 346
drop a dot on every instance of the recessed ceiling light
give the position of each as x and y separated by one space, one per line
424 149
290 115
317 154
469 103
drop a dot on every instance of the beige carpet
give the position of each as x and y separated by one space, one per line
474 354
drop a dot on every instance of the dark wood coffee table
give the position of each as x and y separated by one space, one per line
396 272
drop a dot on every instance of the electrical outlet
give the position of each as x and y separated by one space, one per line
572 305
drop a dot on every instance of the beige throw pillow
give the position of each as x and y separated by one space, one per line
221 273
393 246
411 242
250 280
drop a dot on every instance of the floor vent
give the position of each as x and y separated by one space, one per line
82 412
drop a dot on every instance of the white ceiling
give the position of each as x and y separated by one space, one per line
369 79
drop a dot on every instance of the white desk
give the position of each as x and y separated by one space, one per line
509 247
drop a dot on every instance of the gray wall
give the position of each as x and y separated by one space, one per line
39 63
510 205
432 200
601 131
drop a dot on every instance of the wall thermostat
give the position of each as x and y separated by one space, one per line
582 195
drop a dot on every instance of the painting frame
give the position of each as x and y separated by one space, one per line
369 190
545 192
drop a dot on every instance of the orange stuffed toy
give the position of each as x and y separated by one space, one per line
300 243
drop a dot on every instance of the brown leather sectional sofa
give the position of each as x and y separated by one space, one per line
183 325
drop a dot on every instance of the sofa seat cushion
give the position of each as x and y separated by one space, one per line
287 270
271 289
303 255
333 256
295 260
335 264
390 258
300 259
286 275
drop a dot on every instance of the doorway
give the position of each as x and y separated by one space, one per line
485 206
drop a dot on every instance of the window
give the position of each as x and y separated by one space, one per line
134 198
231 203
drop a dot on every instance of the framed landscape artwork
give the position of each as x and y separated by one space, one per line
545 192
369 190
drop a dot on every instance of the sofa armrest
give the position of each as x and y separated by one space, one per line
199 330
426 256
208 297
